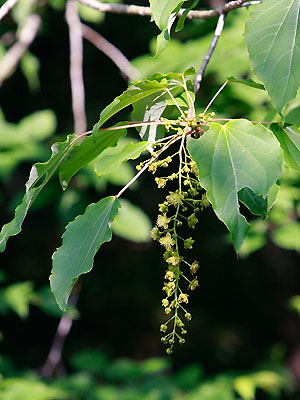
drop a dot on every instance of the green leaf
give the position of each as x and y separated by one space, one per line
39 176
289 139
81 240
231 157
86 150
181 21
154 106
17 297
273 38
136 91
288 236
132 223
256 204
106 163
161 11
247 82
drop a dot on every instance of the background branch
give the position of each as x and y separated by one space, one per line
111 51
15 53
145 11
218 31
54 358
76 67
7 6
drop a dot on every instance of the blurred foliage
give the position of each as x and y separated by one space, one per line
96 377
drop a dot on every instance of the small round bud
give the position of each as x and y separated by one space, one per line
181 341
169 351
179 223
188 316
184 332
168 310
163 328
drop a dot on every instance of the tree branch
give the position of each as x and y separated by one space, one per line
145 11
218 31
15 53
111 51
54 358
7 6
76 67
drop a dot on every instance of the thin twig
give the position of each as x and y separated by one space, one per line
146 11
15 53
76 67
7 6
147 165
111 51
218 31
214 97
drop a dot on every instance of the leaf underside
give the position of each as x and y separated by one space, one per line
273 38
232 157
81 240
289 139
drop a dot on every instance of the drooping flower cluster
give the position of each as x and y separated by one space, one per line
180 207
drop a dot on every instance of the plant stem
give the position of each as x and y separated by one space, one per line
175 139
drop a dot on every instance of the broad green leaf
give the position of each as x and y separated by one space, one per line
132 223
161 11
85 151
39 176
231 157
106 163
247 82
80 242
256 204
289 139
273 39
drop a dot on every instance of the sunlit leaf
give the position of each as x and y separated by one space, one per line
81 240
161 11
273 39
109 162
132 223
231 157
287 236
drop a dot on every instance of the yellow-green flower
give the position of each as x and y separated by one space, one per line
163 221
167 241
175 198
